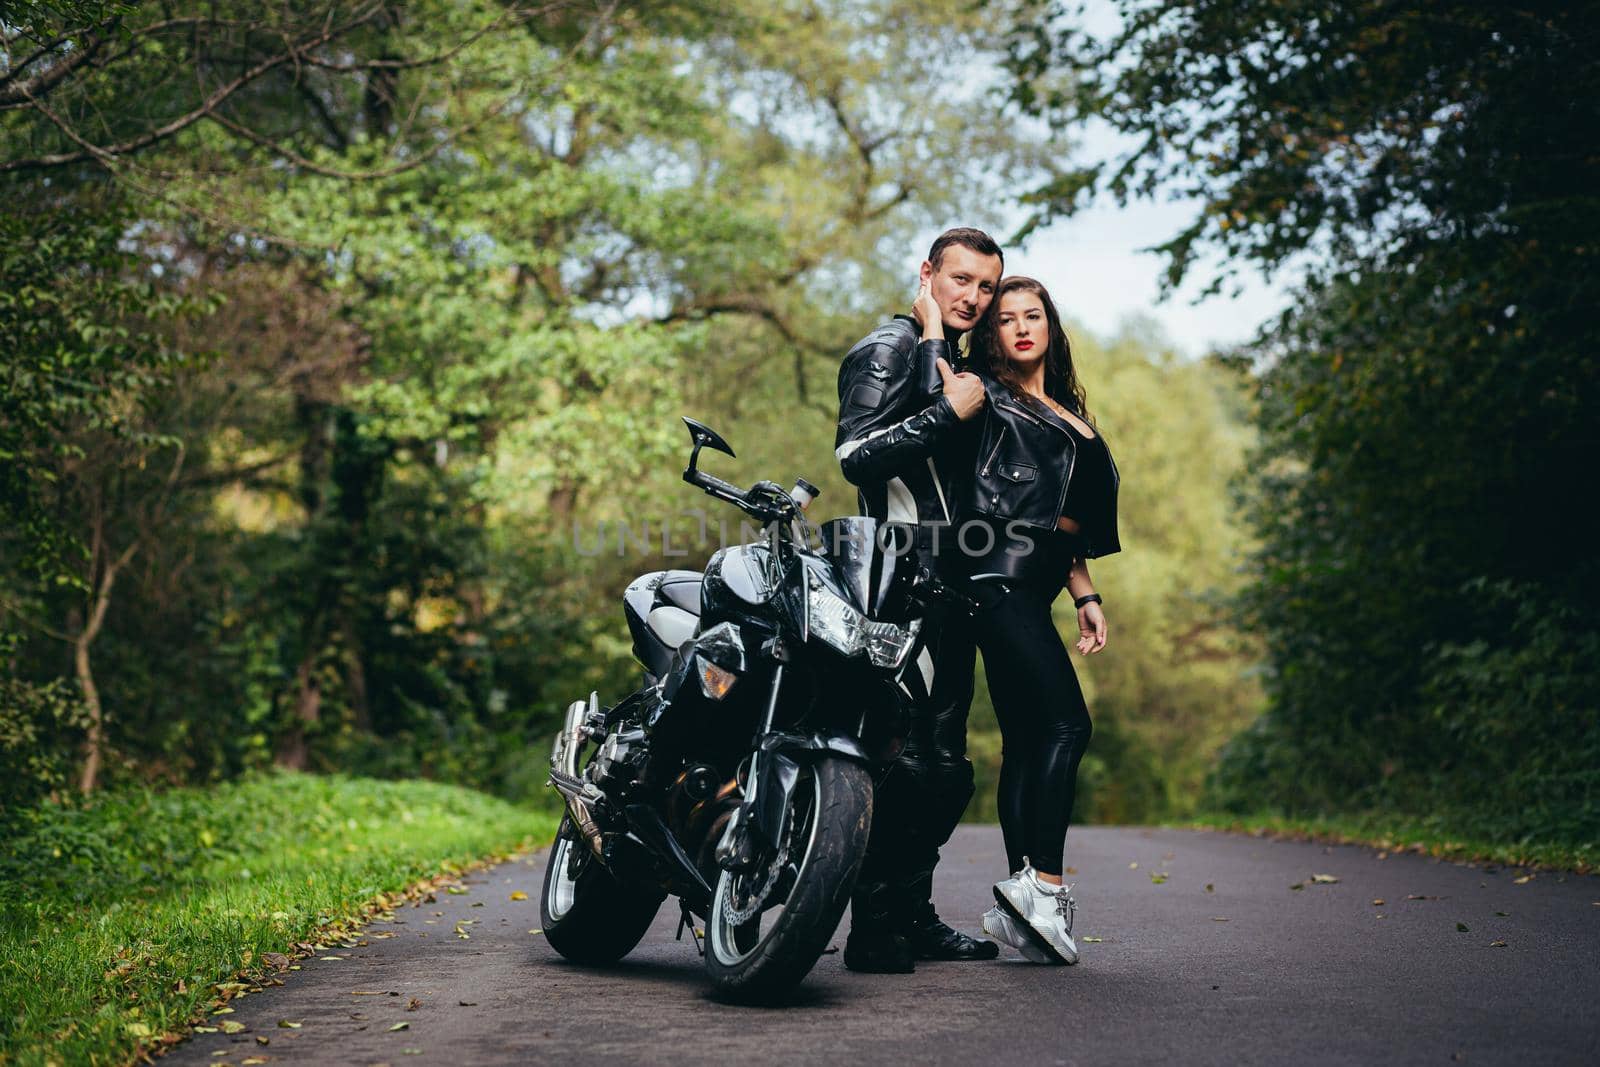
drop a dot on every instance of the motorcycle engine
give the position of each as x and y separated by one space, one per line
620 759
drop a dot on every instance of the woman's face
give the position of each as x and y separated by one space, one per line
1024 330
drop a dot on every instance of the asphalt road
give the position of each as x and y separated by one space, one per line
1202 953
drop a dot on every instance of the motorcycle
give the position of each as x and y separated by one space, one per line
739 776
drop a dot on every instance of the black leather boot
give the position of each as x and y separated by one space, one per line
874 946
925 934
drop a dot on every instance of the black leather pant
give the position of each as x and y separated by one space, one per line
1044 724
921 798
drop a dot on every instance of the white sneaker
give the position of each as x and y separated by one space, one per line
1000 926
1041 912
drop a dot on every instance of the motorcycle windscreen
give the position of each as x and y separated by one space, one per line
864 554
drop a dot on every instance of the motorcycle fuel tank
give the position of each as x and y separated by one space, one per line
736 578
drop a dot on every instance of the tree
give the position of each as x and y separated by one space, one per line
465 264
1429 405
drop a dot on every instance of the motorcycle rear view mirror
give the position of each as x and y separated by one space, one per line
704 436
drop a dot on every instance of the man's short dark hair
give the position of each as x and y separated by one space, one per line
967 237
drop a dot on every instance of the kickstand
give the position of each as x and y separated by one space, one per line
685 918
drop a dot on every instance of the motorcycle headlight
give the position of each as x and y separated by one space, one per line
843 627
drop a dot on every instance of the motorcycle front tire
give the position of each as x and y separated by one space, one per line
593 918
832 859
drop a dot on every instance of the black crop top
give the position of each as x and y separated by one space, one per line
1089 491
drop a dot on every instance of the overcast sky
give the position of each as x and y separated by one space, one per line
1095 271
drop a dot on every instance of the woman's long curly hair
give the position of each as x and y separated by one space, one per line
1061 382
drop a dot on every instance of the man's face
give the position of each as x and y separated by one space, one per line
963 285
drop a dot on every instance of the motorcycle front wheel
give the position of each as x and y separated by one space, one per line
589 916
759 957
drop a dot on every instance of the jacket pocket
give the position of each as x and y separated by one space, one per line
1017 473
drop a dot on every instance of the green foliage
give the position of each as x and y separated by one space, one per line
1427 410
78 324
466 264
119 917
38 723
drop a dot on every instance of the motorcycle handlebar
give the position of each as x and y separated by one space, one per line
745 499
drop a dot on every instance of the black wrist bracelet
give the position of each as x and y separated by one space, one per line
1087 598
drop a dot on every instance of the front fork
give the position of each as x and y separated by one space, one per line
757 826
761 824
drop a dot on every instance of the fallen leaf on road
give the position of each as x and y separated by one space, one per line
1133 866
231 1027
411 1052
251 1061
519 895
1524 880
1462 928
222 1052
1156 878
535 931
1497 944
262 1039
1093 940
330 957
455 891
1324 879
1378 903
1298 885
399 1026
222 1011
205 1029
413 1004
287 1025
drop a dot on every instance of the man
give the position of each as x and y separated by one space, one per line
900 441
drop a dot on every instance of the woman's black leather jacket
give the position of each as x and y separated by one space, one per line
1025 458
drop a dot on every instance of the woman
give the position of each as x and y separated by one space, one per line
1045 488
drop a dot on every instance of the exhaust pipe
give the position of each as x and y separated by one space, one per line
566 776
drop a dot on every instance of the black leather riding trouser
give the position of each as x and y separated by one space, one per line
1044 724
921 798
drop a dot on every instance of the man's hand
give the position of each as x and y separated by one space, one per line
1091 628
964 390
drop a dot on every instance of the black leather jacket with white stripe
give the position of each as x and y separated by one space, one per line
899 440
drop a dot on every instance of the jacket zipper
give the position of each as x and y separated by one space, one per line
995 452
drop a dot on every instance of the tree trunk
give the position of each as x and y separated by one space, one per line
94 740
292 751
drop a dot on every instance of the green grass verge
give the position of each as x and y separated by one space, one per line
1400 833
119 920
